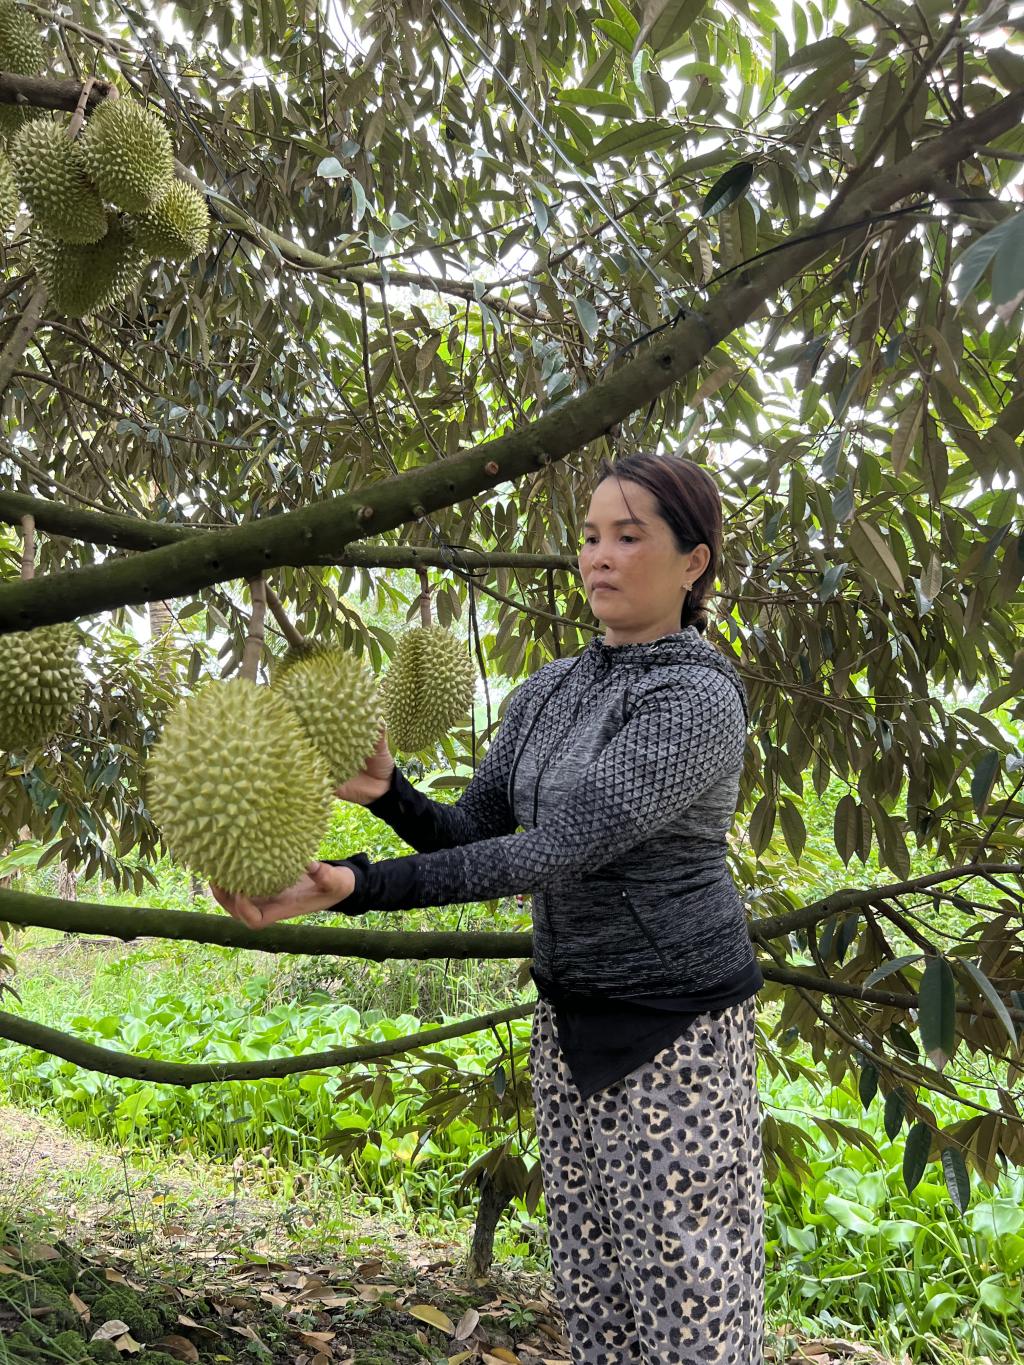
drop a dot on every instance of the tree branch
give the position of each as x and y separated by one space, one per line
14 349
134 533
110 1063
130 922
304 536
48 92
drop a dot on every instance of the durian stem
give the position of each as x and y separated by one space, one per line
110 1063
78 117
10 356
289 629
28 548
424 600
254 640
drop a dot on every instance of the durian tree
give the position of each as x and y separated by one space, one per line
303 296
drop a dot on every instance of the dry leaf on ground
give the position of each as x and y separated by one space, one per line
433 1316
110 1330
128 1344
467 1322
178 1347
82 1309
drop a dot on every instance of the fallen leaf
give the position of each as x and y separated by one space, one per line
277 1300
370 1268
110 1330
338 1300
312 1288
10 1270
41 1312
128 1344
322 1359
318 1340
421 1336
291 1279
467 1322
173 1230
198 1327
178 1347
82 1309
457 1360
370 1293
434 1317
114 1276
502 1354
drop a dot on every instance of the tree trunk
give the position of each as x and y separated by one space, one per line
67 883
160 619
494 1200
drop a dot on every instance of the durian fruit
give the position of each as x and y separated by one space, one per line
178 228
84 279
240 795
428 688
49 175
338 705
41 683
21 51
10 199
127 154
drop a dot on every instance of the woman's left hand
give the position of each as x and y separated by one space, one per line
320 887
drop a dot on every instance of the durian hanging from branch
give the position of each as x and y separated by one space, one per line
235 787
429 685
41 678
103 197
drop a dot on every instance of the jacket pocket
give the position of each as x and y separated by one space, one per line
627 902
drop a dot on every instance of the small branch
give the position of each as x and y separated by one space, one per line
10 356
253 650
45 92
424 600
110 1063
78 117
289 630
28 549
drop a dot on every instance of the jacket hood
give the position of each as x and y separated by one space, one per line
685 648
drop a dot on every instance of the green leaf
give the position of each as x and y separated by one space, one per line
587 314
727 189
854 1217
998 1296
1007 67
887 968
793 829
329 167
936 1012
598 100
915 1155
958 1181
871 550
632 139
867 1084
762 824
829 52
831 579
992 996
904 1042
671 24
973 262
986 770
895 1111
846 827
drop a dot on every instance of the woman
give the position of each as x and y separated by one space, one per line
620 769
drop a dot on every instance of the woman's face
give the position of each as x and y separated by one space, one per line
635 577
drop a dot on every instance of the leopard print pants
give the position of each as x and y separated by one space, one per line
654 1199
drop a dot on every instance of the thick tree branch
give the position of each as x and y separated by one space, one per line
14 349
110 1063
133 533
302 537
48 92
129 922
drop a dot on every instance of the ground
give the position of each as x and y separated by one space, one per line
214 1274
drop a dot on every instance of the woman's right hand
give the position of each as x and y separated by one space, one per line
374 780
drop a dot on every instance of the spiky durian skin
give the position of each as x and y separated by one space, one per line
429 687
338 705
126 152
10 199
84 279
48 171
41 683
240 795
178 228
21 52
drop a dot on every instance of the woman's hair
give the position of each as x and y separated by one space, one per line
689 501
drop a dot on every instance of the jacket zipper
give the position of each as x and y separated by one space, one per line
645 931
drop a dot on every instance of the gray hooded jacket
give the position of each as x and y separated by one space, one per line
620 770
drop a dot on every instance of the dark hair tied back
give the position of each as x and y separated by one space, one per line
689 501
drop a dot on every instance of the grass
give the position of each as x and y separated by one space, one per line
850 1254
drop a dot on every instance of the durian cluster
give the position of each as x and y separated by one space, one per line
241 779
103 204
428 688
41 683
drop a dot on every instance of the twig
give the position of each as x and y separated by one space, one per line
28 549
424 599
289 629
253 650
